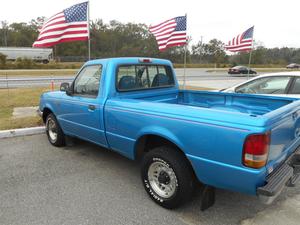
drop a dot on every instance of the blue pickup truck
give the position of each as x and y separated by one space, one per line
238 142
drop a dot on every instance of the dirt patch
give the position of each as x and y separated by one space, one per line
22 112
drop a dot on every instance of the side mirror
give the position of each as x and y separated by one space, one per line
67 88
69 92
64 87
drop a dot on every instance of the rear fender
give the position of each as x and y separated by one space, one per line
161 132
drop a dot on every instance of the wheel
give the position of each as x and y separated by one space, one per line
54 132
167 177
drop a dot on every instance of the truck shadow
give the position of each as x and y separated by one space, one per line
229 208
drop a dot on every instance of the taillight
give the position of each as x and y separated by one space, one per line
256 148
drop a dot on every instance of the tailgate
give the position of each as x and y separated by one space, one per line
285 138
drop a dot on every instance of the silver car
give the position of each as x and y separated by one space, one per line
293 66
279 84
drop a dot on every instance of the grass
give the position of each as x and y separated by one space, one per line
8 124
204 65
19 98
30 73
23 97
28 64
225 66
258 69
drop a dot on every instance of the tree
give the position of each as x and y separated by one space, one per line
212 52
115 39
3 32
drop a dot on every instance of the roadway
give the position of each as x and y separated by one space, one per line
86 184
194 77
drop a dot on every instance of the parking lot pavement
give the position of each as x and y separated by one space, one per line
86 184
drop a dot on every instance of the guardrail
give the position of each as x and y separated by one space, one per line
38 81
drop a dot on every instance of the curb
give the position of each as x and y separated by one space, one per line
21 132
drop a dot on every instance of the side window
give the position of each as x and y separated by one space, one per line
267 85
135 77
296 87
88 81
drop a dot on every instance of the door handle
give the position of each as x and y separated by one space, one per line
92 107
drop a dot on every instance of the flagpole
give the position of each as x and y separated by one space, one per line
184 66
89 33
250 56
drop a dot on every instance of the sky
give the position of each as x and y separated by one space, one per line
276 23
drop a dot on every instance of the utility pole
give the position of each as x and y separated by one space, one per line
5 30
201 45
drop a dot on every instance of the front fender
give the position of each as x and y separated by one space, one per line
50 107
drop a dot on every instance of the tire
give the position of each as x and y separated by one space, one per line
175 183
54 132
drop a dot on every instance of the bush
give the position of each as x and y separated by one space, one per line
2 61
24 63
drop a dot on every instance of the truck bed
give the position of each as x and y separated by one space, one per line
235 103
253 105
206 123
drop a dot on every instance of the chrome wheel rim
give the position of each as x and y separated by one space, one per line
162 179
52 129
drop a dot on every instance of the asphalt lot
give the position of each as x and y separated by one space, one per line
86 184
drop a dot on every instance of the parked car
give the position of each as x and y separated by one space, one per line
241 70
293 66
279 84
244 143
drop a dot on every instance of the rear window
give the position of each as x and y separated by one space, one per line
137 77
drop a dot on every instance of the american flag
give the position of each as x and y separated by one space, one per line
241 43
69 25
170 33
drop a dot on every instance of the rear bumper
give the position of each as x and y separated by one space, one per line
288 174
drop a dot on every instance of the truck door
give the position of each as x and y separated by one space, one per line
82 111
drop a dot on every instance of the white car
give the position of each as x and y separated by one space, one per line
279 84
